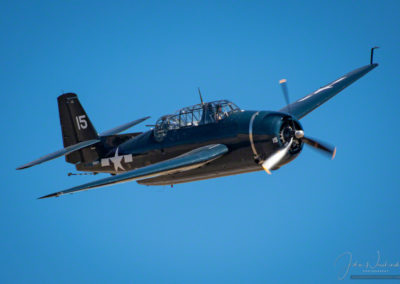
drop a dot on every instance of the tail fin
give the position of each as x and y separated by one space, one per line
76 127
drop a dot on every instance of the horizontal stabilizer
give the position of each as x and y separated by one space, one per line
191 160
305 105
60 153
123 127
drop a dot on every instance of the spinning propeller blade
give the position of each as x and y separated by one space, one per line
321 146
274 159
285 91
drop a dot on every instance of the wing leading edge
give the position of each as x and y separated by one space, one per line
190 160
305 105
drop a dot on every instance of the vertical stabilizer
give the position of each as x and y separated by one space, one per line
76 127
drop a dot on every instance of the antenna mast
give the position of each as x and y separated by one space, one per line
201 98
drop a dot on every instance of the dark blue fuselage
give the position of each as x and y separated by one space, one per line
249 135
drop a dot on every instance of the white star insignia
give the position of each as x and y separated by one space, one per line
116 160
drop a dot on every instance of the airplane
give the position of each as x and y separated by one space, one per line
203 141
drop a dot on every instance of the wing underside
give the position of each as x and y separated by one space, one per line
188 161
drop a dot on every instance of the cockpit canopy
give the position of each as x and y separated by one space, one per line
194 115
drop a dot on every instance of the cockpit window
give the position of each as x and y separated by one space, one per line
193 116
197 113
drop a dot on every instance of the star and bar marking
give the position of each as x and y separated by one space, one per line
117 161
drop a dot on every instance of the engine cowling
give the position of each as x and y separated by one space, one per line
272 131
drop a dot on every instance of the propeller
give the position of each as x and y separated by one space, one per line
321 146
275 158
285 91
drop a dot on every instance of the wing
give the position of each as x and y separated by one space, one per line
310 102
191 160
60 153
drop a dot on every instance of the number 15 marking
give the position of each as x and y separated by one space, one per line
81 122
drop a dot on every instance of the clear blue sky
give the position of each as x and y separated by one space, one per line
129 59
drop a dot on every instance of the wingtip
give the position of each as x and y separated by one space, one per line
23 167
57 194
